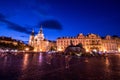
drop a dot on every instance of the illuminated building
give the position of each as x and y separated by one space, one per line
38 42
109 44
118 43
90 42
93 42
9 40
13 45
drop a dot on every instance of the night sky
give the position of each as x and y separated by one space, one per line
59 17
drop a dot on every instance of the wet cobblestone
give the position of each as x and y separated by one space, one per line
41 66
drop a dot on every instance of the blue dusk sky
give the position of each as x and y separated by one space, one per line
59 18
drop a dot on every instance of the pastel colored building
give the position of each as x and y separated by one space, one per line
91 42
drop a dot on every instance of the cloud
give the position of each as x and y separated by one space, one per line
18 28
14 26
51 24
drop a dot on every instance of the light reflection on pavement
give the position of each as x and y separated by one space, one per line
42 66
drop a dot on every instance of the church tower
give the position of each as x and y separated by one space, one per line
38 42
40 34
31 39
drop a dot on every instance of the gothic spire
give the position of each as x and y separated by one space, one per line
32 32
41 30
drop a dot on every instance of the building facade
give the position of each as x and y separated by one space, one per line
39 43
110 44
90 42
9 40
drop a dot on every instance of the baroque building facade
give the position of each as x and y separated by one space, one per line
110 44
38 42
90 42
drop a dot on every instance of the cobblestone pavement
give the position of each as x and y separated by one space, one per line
42 66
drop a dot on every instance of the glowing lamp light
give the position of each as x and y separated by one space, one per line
40 49
35 50
119 50
16 50
27 49
95 50
87 50
59 49
7 50
104 50
12 50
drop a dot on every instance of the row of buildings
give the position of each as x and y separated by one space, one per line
10 44
9 40
91 42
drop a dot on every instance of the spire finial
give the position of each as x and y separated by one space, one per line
41 30
32 32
